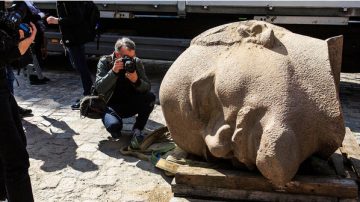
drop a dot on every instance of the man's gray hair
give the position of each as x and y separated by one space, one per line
124 42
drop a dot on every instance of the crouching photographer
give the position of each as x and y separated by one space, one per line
121 79
15 39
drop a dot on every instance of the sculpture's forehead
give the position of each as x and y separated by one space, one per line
237 32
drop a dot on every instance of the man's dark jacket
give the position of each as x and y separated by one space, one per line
106 78
9 50
72 22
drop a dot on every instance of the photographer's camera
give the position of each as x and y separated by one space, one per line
26 29
129 64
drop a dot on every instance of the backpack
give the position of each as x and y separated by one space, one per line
92 16
93 106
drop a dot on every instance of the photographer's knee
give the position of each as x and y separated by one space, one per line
114 127
112 124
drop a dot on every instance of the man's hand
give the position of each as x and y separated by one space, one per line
133 77
21 34
118 65
52 20
33 31
25 44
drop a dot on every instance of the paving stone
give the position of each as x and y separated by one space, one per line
115 195
88 148
66 185
100 155
88 175
50 183
46 123
113 171
34 99
114 163
92 193
104 180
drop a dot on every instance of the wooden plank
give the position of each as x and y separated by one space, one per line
190 199
215 193
322 186
338 162
348 200
167 166
351 148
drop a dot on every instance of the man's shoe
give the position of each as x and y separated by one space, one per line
115 136
137 139
45 79
76 106
34 80
24 112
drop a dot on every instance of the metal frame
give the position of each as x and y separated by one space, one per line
146 47
304 20
277 12
182 7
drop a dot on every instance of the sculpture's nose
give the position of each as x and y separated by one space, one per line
219 144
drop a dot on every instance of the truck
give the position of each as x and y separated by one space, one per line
162 30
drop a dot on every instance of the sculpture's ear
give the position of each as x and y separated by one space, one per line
206 106
202 96
335 48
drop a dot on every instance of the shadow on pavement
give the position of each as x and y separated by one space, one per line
56 148
111 147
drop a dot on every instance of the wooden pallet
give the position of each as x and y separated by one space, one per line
219 184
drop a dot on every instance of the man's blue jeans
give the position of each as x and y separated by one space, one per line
78 61
140 104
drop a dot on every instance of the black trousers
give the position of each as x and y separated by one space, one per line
78 61
14 160
140 104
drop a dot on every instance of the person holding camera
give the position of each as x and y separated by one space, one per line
14 160
31 62
28 13
121 79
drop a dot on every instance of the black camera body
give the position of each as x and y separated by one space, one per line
22 13
129 64
26 29
15 19
10 23
27 12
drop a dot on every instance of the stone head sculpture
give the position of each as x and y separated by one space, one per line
258 94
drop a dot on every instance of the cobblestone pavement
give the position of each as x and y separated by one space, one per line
73 159
350 101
